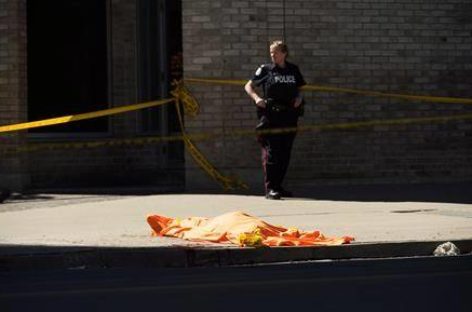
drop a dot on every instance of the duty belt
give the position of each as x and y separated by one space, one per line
277 107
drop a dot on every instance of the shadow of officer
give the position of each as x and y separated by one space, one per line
4 195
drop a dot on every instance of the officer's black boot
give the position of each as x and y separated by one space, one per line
271 194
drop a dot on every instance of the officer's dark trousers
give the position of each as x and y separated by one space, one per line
276 150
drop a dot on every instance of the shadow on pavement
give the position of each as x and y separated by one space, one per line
460 193
26 197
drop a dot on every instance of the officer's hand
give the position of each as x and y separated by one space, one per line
297 102
260 102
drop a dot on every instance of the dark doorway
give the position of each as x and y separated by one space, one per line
67 62
159 50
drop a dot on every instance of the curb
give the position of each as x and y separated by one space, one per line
25 258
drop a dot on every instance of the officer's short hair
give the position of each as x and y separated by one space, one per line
280 45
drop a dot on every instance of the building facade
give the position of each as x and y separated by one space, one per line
68 57
408 47
99 54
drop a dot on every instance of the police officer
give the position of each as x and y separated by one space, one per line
278 107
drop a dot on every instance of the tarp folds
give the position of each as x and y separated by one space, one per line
239 228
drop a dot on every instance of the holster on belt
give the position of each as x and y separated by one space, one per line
273 110
275 107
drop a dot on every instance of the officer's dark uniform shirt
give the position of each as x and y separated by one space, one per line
280 85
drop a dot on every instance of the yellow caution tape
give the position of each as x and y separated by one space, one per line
93 144
228 183
182 94
70 118
355 124
241 132
191 107
438 99
386 122
217 81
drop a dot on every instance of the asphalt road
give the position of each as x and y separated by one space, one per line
408 284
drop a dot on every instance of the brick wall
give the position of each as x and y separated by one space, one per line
157 165
13 172
415 46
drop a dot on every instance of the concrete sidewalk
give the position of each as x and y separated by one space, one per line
62 224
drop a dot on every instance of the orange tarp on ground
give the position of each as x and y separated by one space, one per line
239 228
